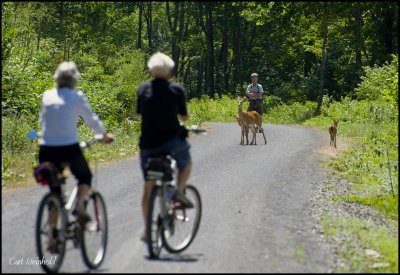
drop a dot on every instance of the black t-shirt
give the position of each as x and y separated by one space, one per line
159 102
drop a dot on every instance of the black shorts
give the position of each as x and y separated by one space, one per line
177 147
71 155
256 105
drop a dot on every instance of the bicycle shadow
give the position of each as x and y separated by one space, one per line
95 271
186 258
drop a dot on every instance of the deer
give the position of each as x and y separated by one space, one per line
333 132
250 120
245 131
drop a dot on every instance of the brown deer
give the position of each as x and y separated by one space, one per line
250 120
245 131
333 132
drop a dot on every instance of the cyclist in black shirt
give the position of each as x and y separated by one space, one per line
160 103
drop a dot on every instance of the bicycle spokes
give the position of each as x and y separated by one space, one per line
50 233
94 235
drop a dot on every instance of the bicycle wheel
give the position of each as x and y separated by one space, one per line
50 240
184 224
154 224
93 237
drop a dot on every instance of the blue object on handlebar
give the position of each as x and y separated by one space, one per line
32 134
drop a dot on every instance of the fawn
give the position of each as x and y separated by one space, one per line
333 133
250 120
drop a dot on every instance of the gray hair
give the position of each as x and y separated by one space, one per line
67 74
160 65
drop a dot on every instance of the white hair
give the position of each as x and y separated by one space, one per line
160 65
67 70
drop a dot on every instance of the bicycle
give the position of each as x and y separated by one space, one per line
165 224
67 227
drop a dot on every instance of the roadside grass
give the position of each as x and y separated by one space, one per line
357 238
370 167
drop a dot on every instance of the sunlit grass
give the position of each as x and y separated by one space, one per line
355 237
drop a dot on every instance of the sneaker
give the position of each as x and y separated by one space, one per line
53 248
53 245
82 217
182 200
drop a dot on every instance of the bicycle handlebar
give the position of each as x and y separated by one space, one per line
195 130
33 134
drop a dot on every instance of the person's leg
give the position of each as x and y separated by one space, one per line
260 110
184 164
251 106
148 186
50 154
183 176
80 169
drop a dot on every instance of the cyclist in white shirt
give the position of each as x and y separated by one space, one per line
61 109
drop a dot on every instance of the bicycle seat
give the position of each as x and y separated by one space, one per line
158 167
49 173
165 155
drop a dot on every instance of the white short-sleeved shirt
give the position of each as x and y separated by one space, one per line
257 89
61 109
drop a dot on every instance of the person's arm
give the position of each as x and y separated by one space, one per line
183 118
183 114
91 119
249 94
261 92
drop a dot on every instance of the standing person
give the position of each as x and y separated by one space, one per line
61 109
160 103
254 93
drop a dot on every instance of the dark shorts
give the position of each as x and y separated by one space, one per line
71 155
177 147
256 105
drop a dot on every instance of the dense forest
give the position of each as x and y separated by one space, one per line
301 50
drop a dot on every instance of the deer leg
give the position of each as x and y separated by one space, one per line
242 137
262 132
335 141
253 130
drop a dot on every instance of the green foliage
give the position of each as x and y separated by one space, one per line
387 204
16 147
380 83
217 109
373 161
357 236
290 114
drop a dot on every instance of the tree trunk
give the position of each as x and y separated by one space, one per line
210 50
388 34
149 23
358 34
179 34
63 30
323 62
140 26
236 48
39 32
223 59
199 77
